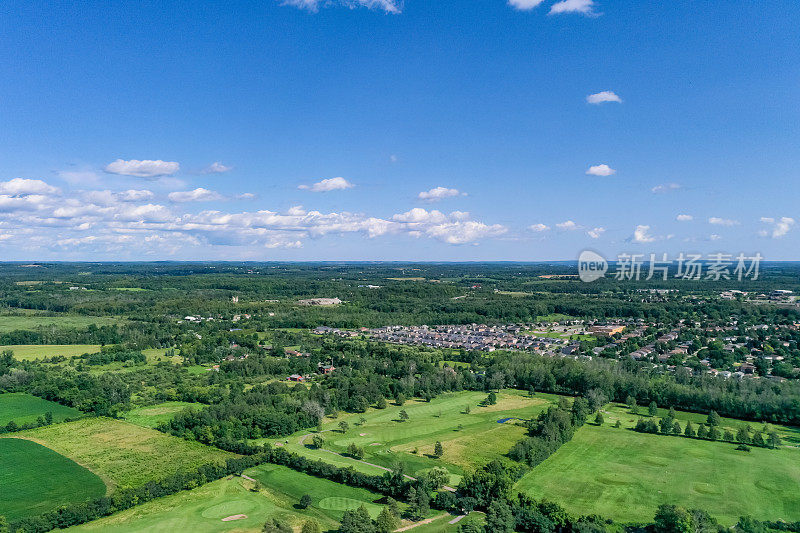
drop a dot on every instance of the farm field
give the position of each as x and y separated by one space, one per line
201 511
625 475
28 352
12 323
153 415
469 440
35 479
25 408
121 453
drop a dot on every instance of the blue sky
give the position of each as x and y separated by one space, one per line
388 130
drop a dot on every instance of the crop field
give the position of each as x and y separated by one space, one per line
24 408
12 323
203 509
35 479
469 440
28 352
621 474
122 453
153 415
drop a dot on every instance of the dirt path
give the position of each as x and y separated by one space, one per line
420 523
457 519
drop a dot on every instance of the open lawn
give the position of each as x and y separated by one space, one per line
35 479
201 511
329 498
122 453
12 323
153 415
27 352
469 440
24 408
624 475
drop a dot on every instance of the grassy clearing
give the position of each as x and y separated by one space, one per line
24 408
35 479
153 415
201 511
625 475
28 352
13 323
121 453
469 440
329 498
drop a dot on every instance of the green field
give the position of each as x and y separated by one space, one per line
201 510
331 499
24 408
13 323
35 479
121 453
27 352
153 415
387 441
625 475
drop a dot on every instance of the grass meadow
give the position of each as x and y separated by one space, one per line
625 475
121 453
153 415
469 439
24 408
35 479
29 352
33 322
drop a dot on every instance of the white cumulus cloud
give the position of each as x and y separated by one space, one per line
642 234
568 225
23 187
328 184
603 97
601 170
439 193
524 5
197 195
717 221
596 233
780 227
145 168
684 218
216 168
585 7
539 228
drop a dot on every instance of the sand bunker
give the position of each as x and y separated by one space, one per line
234 517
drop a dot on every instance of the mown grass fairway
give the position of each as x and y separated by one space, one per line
122 453
624 475
153 415
24 408
331 499
469 440
35 479
12 323
201 511
28 352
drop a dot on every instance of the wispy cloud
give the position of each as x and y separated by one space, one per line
197 195
216 168
596 233
389 6
780 227
584 7
717 221
601 170
568 225
603 97
665 187
524 5
439 193
145 168
327 185
539 228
